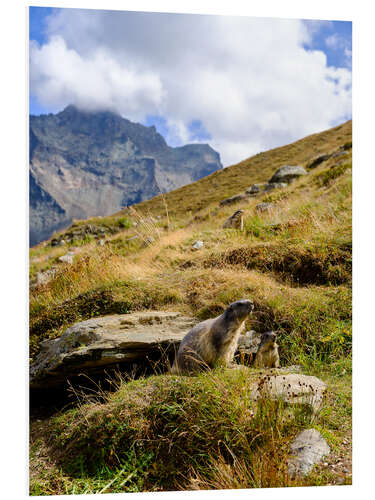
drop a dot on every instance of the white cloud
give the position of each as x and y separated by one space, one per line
60 76
333 41
250 81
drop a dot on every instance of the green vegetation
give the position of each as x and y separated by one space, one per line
172 433
294 262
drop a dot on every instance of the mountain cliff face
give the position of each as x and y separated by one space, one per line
85 164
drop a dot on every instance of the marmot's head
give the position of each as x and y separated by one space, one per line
239 310
267 342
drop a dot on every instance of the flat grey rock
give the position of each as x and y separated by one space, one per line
100 342
306 450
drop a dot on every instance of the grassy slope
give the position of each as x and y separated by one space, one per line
297 272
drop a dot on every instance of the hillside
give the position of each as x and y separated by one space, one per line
86 164
293 260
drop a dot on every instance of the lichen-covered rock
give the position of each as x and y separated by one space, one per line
101 342
288 173
307 449
293 388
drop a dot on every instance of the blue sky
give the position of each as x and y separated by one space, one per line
241 84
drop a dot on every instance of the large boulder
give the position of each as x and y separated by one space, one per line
307 449
91 346
288 173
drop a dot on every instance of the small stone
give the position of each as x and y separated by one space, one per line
101 242
148 241
255 189
307 449
197 245
67 258
43 277
274 185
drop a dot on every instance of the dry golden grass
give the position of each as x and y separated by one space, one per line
205 193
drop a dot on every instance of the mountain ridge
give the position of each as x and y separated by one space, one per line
93 163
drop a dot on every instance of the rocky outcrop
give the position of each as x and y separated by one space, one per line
99 343
315 162
234 199
306 450
288 173
82 231
85 164
45 213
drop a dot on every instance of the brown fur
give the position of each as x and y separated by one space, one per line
213 341
267 355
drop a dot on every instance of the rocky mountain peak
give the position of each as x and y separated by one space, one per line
90 163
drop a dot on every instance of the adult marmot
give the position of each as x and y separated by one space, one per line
267 355
214 341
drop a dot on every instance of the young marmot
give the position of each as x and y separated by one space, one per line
214 341
267 355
